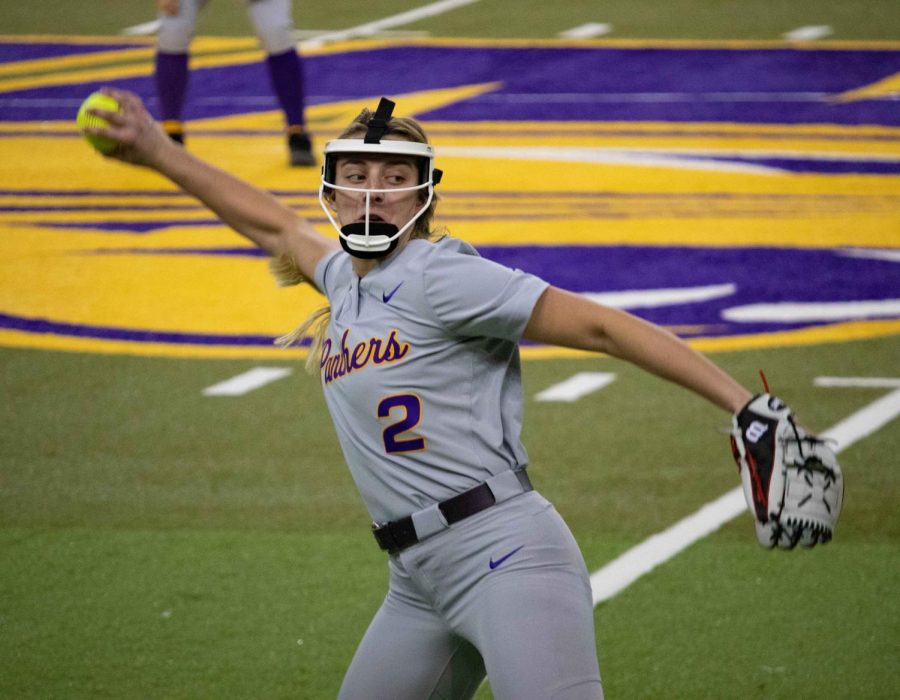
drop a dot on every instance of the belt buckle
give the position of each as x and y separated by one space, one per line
384 537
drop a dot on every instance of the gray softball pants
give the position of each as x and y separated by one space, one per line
504 593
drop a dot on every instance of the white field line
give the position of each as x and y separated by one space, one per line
247 382
860 382
576 386
152 27
627 568
790 312
808 33
652 298
888 255
608 156
145 29
865 421
586 31
659 548
302 34
398 20
677 152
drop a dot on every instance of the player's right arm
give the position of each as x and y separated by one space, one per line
249 210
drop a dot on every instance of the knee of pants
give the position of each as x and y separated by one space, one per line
176 32
272 22
584 690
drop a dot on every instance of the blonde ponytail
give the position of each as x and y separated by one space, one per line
287 274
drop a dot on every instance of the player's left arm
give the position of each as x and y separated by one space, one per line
569 320
792 480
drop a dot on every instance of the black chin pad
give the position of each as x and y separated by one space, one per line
364 254
376 228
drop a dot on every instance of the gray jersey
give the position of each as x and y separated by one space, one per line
421 371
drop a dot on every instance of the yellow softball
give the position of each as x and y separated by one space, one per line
97 100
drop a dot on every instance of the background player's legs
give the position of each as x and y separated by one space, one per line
172 45
408 653
274 26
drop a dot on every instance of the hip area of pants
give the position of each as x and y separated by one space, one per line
524 536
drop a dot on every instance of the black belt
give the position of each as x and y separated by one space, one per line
400 534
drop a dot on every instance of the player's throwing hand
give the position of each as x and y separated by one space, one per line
140 139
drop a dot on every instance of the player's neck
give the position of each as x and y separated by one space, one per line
363 266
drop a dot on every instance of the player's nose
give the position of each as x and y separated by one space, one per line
377 183
377 180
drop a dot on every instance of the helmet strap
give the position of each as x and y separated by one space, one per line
378 124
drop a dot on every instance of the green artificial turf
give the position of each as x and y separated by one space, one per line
674 19
161 543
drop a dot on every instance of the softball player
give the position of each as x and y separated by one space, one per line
274 28
420 368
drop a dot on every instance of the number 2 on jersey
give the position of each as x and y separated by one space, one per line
411 407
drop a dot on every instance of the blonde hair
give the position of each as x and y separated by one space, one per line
285 269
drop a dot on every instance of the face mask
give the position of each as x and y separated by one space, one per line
374 239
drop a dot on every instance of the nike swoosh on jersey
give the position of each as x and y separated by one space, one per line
494 564
386 296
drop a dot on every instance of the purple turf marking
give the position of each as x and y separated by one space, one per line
825 166
546 134
810 164
600 205
24 51
701 80
90 193
548 194
99 207
238 252
781 86
600 130
138 227
81 330
760 275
